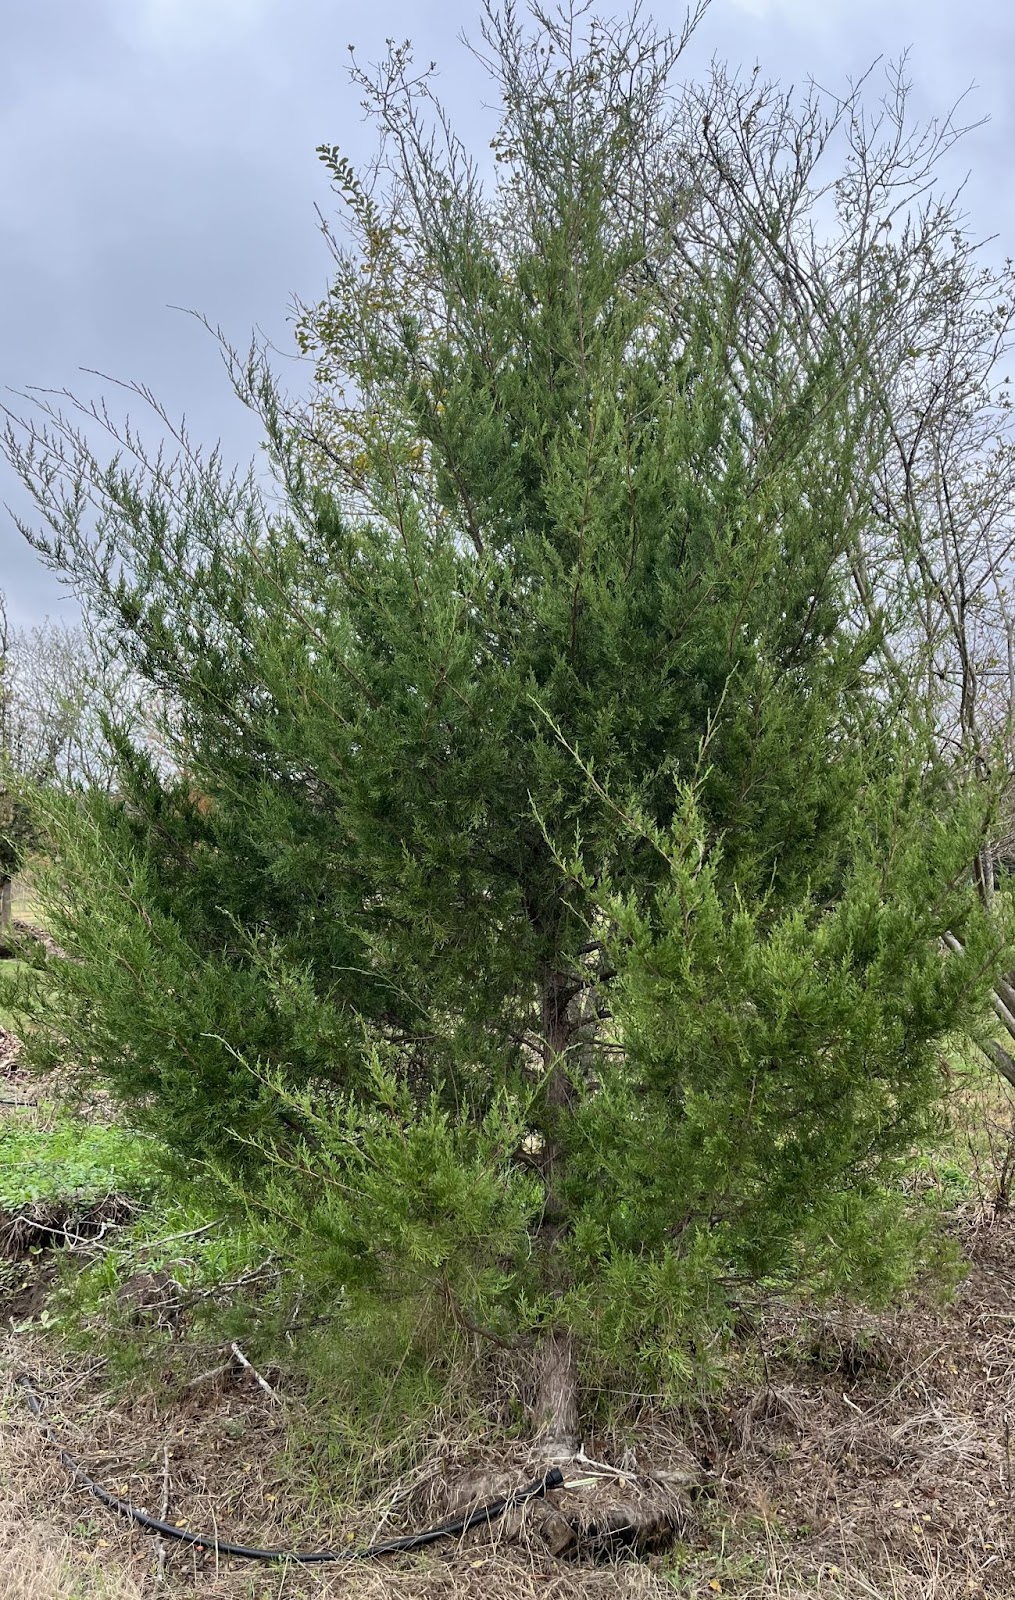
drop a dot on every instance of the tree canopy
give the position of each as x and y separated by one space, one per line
546 915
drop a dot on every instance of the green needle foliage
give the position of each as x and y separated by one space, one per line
538 915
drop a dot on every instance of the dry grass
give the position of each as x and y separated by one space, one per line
879 1452
225 1471
873 1462
24 905
42 1553
40 1563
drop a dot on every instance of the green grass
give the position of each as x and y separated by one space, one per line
72 1160
10 972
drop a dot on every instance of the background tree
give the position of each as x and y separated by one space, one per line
58 690
558 941
8 853
932 560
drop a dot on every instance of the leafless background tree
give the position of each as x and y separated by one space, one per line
58 687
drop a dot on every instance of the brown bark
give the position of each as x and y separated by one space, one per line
554 1406
555 1395
983 875
558 1095
558 1030
5 904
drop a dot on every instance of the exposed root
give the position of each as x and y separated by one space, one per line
60 1224
600 1512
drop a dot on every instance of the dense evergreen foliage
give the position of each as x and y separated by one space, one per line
541 910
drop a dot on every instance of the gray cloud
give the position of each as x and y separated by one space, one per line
161 152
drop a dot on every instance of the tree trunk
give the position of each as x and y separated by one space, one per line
555 1396
558 1034
1001 1058
983 875
5 904
554 1406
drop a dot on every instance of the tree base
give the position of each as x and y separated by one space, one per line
599 1512
553 1402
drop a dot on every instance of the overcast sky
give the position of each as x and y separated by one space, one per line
159 153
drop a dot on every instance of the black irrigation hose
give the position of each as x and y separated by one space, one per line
552 1479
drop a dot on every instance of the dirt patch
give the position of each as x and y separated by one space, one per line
25 1288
